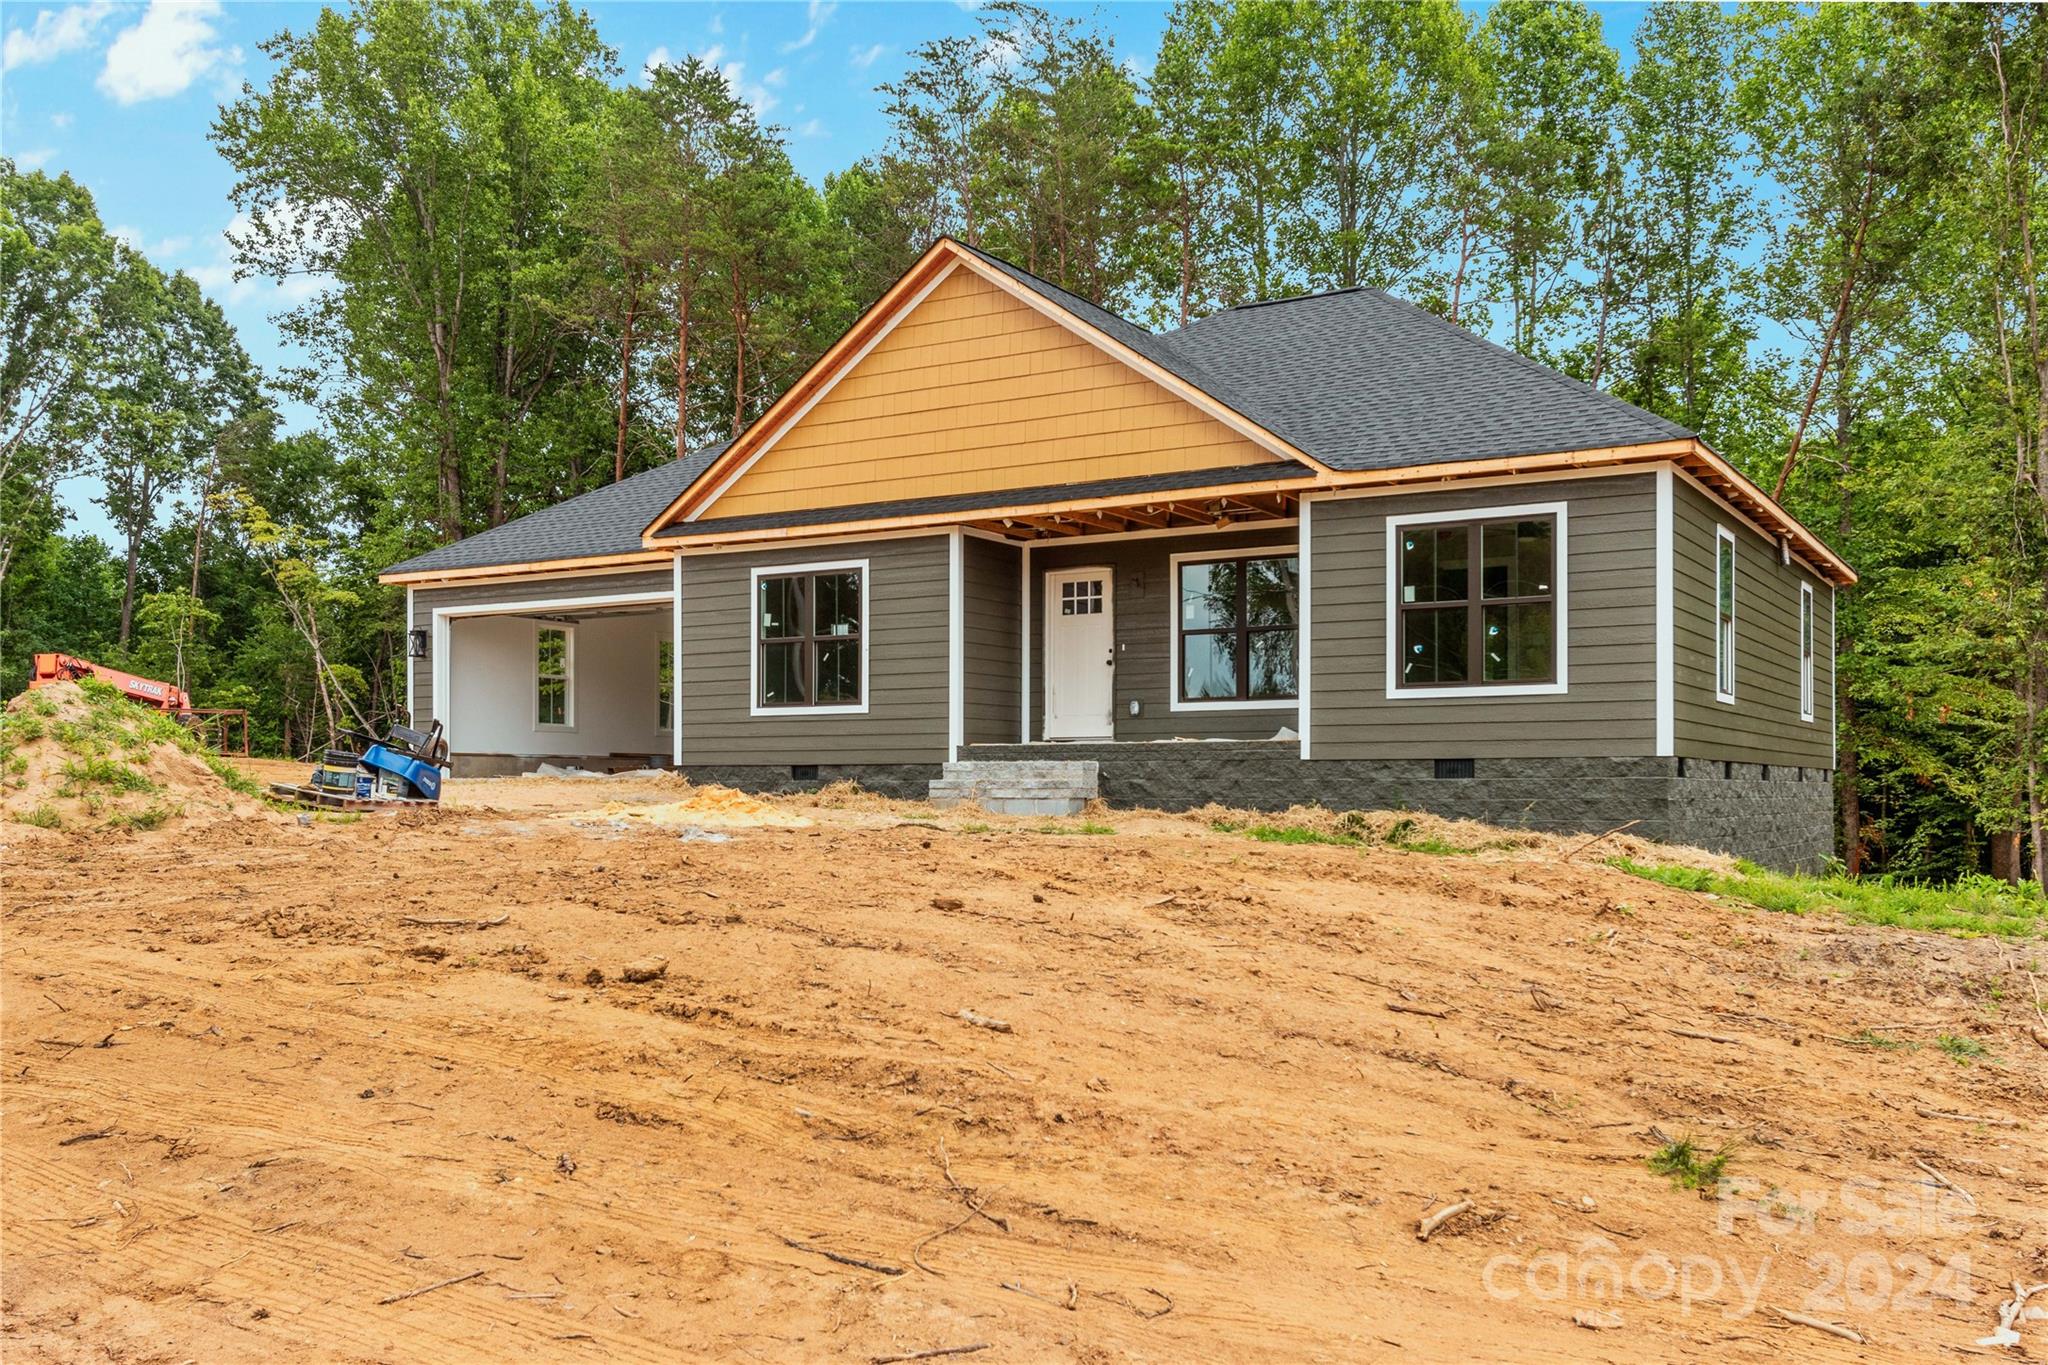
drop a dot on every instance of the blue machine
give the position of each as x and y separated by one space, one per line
418 779
405 766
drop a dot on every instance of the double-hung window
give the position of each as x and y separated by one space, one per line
1477 603
1235 620
810 638
1724 614
1806 651
554 663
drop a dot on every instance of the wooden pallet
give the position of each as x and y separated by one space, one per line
338 800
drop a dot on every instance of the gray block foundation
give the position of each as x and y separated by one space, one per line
1781 817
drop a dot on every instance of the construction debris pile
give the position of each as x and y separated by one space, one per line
76 755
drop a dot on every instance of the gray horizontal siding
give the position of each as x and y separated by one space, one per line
1142 603
425 601
1610 707
1763 724
992 591
906 686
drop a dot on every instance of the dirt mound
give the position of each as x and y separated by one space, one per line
79 756
708 805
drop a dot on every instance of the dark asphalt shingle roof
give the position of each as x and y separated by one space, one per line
1008 497
604 521
1361 380
1356 379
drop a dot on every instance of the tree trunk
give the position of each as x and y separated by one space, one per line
625 389
128 591
683 365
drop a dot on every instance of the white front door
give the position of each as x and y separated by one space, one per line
1080 654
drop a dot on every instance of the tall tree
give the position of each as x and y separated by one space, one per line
56 261
1847 117
419 157
1556 82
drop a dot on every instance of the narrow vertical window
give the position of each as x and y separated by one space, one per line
665 681
1724 613
1806 651
553 660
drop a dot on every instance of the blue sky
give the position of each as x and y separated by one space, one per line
121 97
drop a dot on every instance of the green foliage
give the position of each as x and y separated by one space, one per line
42 815
1971 907
1960 1050
112 774
1690 1166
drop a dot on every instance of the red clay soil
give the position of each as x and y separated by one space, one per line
380 1090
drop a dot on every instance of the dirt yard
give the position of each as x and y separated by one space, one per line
527 1079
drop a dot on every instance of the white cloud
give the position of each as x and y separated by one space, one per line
754 94
217 276
819 14
60 121
54 33
157 252
33 158
776 78
163 54
865 57
813 128
711 55
658 57
717 24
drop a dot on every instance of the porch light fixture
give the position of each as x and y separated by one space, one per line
416 644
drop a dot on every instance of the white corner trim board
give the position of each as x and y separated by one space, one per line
1559 512
1304 634
956 646
675 665
1024 619
1667 619
867 593
1173 641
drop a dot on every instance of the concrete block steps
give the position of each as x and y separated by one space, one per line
1018 786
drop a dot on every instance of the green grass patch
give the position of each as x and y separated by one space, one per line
1970 908
149 817
233 778
1690 1166
1082 827
974 827
1960 1050
42 816
104 772
1286 834
1866 1038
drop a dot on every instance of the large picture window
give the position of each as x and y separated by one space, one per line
809 638
1476 603
1236 623
554 662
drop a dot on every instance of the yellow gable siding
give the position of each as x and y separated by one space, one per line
976 392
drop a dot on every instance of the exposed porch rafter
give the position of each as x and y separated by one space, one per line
1152 514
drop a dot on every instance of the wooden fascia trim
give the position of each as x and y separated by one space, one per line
433 577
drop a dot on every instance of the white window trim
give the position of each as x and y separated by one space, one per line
1173 630
754 707
1722 533
1809 649
568 675
1560 597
